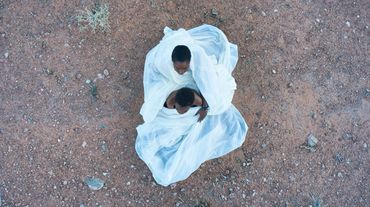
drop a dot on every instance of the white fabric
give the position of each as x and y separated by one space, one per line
213 59
174 145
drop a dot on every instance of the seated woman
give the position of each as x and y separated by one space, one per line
184 98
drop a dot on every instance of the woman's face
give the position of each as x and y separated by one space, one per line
181 109
181 67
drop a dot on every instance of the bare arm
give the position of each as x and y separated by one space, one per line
170 102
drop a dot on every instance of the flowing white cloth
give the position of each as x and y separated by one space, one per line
173 145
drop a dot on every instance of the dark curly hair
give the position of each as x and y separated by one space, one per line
185 97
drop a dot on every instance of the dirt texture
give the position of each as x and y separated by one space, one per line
303 68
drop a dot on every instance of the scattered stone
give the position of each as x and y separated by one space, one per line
290 85
78 76
339 158
6 55
365 145
82 205
88 81
263 13
214 12
49 71
128 183
274 71
106 72
104 146
312 141
318 20
65 182
84 144
94 183
348 24
173 186
100 76
313 116
264 145
347 136
340 175
275 10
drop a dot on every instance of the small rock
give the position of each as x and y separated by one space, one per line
263 13
94 183
104 146
6 55
106 72
348 24
82 205
173 186
88 81
264 145
365 145
49 71
340 175
128 183
100 76
214 12
78 76
290 85
65 182
312 141
84 144
347 136
274 71
339 158
318 20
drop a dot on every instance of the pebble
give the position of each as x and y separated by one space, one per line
88 81
312 141
318 20
264 145
365 145
274 71
84 144
348 24
100 76
94 183
263 13
78 76
6 55
106 72
290 85
214 12
65 182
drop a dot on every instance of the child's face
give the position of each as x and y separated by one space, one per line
181 67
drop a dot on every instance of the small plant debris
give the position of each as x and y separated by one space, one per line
96 18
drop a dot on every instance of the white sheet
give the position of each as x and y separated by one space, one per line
173 145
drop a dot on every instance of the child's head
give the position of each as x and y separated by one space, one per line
181 58
184 100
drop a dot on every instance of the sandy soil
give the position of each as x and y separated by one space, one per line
304 68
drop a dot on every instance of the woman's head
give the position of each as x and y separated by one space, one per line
181 58
184 99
